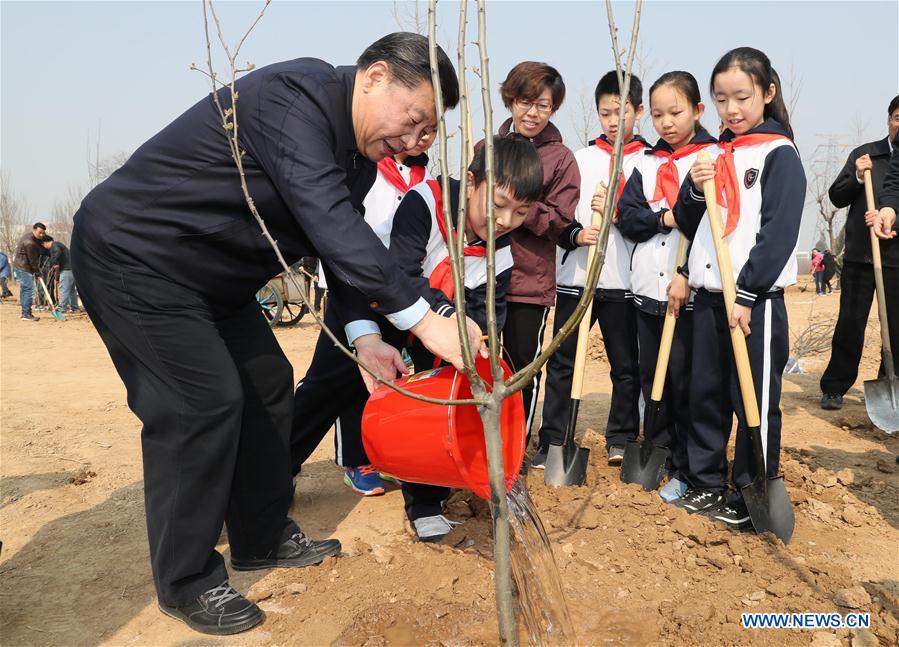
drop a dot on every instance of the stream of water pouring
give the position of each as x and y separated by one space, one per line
536 575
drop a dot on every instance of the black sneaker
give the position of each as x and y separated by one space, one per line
832 401
697 500
296 551
616 454
30 317
733 514
220 611
539 460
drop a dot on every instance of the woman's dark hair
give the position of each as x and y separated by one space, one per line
516 166
685 83
410 64
608 84
893 105
757 65
528 80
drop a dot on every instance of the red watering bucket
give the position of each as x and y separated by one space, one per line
431 443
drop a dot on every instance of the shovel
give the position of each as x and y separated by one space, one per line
770 508
566 464
644 463
881 395
56 313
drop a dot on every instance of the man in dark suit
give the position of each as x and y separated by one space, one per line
168 259
857 276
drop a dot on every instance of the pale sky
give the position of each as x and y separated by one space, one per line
71 70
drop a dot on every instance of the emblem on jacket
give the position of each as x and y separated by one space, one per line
750 177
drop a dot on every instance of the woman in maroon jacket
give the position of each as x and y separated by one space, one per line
533 92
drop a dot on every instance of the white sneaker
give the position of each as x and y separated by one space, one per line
433 529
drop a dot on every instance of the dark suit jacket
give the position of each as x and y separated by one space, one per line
176 205
847 191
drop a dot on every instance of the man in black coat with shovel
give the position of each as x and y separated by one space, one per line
168 259
857 276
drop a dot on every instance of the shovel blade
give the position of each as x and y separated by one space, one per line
882 403
644 463
566 465
770 508
56 313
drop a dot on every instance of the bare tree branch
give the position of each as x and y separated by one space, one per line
526 375
14 215
454 235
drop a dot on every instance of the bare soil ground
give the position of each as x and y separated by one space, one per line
74 566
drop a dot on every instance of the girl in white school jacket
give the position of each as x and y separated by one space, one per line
761 187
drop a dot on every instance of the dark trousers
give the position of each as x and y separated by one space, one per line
331 393
673 421
522 342
212 388
617 321
715 390
319 293
856 295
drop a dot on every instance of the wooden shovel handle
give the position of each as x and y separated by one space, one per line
658 380
741 353
583 331
878 268
46 292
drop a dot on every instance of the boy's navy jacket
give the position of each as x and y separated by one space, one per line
176 205
418 247
639 220
847 191
763 244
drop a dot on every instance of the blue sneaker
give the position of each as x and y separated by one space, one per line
389 478
674 489
364 480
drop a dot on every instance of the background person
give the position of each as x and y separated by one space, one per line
857 276
27 263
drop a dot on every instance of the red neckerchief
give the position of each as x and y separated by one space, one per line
726 184
391 173
667 180
631 147
442 276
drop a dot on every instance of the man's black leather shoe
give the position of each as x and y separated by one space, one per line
220 611
832 401
298 550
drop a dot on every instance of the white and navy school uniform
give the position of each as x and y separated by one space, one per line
769 182
332 391
419 247
650 191
612 306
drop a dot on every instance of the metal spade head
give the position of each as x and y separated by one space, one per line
770 508
56 313
644 463
566 465
882 403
